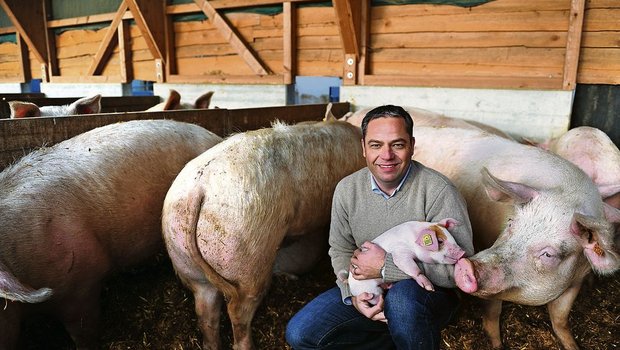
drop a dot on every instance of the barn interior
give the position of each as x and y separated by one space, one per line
533 70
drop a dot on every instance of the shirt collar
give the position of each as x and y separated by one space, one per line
375 188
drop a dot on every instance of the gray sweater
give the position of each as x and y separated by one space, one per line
360 215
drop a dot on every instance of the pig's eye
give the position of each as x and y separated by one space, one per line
548 259
440 241
548 256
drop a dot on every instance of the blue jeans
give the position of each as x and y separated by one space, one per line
415 319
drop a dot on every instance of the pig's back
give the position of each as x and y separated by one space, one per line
460 154
103 189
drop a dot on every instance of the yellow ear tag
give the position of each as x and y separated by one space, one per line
427 239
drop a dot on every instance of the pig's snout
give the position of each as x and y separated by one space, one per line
452 254
457 253
464 276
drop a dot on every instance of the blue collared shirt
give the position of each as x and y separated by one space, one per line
375 188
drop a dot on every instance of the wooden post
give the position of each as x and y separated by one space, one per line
350 70
573 44
289 29
159 71
233 37
124 47
24 58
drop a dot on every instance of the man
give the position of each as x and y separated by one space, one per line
392 189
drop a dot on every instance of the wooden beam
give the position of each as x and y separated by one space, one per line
124 47
28 17
573 44
97 79
229 4
465 81
24 59
226 79
289 37
170 10
350 70
362 64
233 37
51 67
150 17
108 43
7 30
348 14
171 50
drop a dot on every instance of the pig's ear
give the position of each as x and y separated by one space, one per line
88 105
24 109
610 194
505 191
448 223
203 101
173 101
329 116
596 238
611 213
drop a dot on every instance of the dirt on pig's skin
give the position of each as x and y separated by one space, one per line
150 309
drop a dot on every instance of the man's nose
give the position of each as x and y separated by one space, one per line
386 153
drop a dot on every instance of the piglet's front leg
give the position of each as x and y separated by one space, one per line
405 262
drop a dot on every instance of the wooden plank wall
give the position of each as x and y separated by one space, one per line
599 62
511 42
500 44
19 136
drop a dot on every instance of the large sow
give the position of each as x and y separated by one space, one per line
540 225
228 211
77 211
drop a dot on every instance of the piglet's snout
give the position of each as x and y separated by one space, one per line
455 253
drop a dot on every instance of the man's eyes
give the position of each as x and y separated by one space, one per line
396 145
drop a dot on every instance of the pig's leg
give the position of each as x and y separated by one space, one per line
405 262
299 254
490 321
208 303
10 321
81 314
558 312
243 305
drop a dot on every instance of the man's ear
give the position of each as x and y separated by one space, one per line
363 148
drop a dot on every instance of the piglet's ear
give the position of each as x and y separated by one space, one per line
448 223
427 239
505 191
596 238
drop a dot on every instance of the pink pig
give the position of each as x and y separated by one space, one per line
84 105
407 242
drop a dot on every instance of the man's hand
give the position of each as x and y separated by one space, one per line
367 261
373 312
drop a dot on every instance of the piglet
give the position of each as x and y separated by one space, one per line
412 240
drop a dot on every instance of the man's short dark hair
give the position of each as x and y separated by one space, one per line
388 111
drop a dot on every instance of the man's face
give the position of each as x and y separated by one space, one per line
388 150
